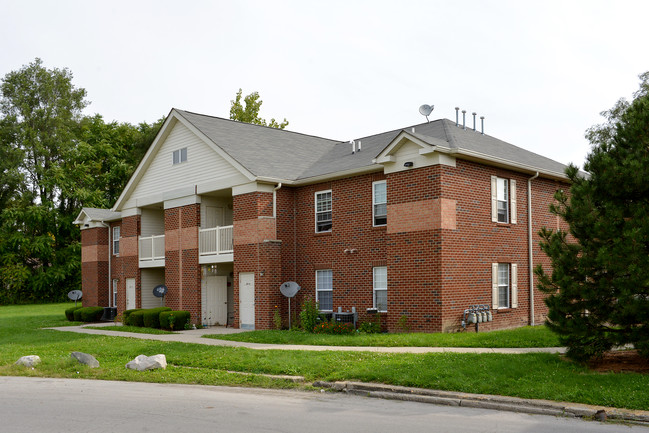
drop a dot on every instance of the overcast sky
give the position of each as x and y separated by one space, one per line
540 72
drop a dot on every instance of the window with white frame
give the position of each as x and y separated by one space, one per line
324 289
323 211
116 241
381 288
114 300
379 203
179 156
504 285
503 200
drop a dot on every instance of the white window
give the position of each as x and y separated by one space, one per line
381 288
504 285
503 200
379 203
179 156
324 289
114 300
323 211
116 241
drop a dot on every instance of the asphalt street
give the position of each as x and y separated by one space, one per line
69 405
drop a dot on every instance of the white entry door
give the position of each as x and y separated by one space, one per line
247 300
214 300
130 293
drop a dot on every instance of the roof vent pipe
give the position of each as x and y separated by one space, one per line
359 145
353 146
474 113
482 121
457 116
463 119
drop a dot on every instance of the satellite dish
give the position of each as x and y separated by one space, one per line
75 295
159 291
289 288
425 110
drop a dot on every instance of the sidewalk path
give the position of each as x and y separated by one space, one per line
195 336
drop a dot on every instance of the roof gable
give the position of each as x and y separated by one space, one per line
205 162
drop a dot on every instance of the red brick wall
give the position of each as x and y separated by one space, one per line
259 253
433 274
182 271
94 267
126 265
352 229
469 251
414 255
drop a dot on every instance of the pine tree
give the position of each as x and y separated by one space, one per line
599 286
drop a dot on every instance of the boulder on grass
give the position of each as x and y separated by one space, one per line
29 360
85 358
143 362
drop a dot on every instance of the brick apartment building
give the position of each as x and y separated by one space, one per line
418 224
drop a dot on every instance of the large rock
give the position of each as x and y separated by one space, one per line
29 360
85 358
143 362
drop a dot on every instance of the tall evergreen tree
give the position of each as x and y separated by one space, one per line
599 286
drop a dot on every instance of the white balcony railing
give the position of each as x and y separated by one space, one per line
216 240
152 248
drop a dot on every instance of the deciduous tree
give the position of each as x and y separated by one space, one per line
250 113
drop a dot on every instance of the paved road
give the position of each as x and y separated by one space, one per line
68 405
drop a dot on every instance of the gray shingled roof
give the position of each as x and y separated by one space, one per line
101 214
270 152
264 151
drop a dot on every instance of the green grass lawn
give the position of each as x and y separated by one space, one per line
537 336
544 376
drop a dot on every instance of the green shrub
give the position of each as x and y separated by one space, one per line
179 319
92 314
371 327
152 316
126 314
69 313
87 314
136 318
309 315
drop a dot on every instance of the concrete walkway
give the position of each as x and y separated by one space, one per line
195 336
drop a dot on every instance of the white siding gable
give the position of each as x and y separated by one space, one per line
203 165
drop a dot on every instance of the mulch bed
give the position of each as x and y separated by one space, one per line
618 361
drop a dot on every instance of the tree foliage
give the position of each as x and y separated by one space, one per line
599 285
54 160
250 113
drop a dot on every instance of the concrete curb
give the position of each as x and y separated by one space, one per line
484 401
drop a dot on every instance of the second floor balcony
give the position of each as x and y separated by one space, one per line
214 245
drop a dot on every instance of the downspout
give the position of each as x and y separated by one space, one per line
110 255
279 185
529 246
